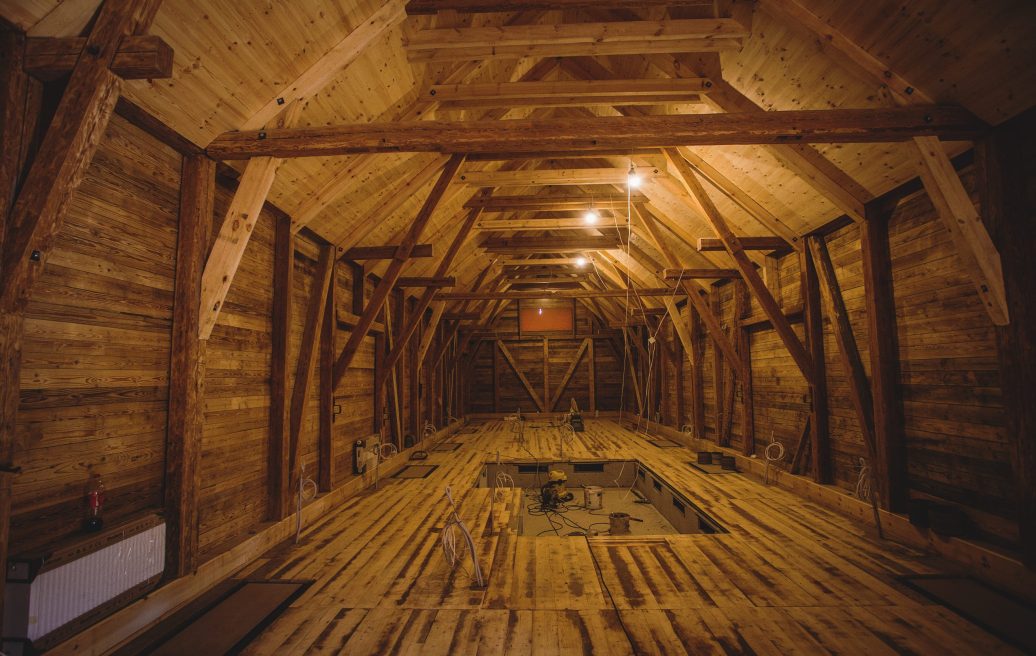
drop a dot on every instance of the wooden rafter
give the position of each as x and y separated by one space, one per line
564 134
418 7
748 272
976 250
504 351
138 57
563 383
747 243
694 294
387 252
237 228
430 293
395 268
308 350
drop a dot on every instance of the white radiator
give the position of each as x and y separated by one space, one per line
60 595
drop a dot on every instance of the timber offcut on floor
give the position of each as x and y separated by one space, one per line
790 577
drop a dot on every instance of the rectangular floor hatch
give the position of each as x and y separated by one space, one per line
1007 618
415 471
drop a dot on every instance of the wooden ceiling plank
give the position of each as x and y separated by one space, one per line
331 64
381 292
742 198
546 135
978 254
748 272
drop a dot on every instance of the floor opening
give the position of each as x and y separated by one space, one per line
604 497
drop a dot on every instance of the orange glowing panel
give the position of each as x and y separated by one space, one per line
537 319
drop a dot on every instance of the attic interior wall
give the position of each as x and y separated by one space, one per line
493 386
957 447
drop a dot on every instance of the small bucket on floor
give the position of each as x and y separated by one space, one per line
593 497
619 523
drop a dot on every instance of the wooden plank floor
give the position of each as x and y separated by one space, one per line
790 577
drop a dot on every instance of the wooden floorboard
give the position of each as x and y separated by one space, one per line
790 577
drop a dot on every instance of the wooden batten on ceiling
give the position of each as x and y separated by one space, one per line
357 253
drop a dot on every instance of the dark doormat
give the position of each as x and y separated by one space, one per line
1010 619
711 469
663 443
221 622
446 446
415 471
470 430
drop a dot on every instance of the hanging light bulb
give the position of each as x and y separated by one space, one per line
539 311
632 177
590 217
581 261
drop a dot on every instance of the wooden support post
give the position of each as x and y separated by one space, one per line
592 373
820 448
19 107
358 289
546 372
681 409
697 375
187 368
741 309
496 373
1006 184
852 365
326 443
395 268
751 277
884 356
379 395
279 474
307 358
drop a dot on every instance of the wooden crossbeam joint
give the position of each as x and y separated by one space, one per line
138 57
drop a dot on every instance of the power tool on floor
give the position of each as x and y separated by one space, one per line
574 418
554 493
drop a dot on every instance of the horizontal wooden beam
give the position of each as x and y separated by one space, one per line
384 252
462 316
531 275
691 274
504 225
426 281
561 280
563 154
706 244
549 244
539 262
597 176
577 202
891 124
418 7
545 294
576 39
569 93
138 57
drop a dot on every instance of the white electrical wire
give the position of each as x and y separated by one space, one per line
307 492
449 540
863 481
